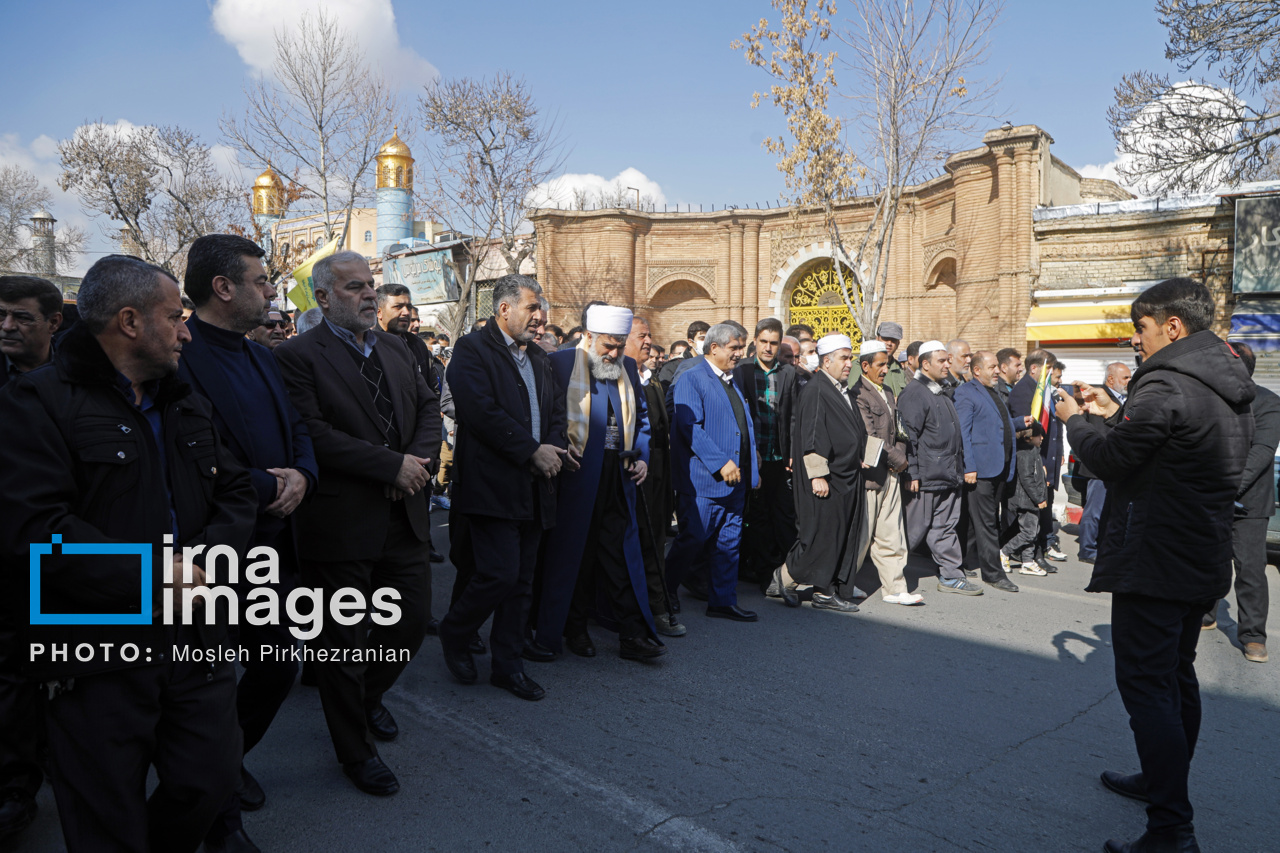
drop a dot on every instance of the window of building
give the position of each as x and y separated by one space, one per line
368 236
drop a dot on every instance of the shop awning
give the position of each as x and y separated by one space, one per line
1079 320
1257 322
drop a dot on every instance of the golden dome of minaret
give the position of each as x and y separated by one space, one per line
268 194
395 163
269 178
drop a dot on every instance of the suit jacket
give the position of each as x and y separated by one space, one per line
982 428
1258 486
347 519
744 376
880 417
705 435
494 440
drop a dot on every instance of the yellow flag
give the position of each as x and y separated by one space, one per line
304 295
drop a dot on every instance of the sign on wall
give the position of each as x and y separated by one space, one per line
428 277
1257 250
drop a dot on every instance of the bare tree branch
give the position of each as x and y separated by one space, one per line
21 197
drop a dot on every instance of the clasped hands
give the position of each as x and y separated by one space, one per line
412 478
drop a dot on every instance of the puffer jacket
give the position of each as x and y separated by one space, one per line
935 450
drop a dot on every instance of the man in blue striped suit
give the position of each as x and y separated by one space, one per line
712 460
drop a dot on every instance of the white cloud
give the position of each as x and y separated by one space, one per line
40 158
561 190
250 27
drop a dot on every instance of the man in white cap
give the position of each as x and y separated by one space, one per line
935 458
827 442
882 533
596 545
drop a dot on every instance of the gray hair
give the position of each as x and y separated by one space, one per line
506 290
722 333
322 274
953 345
309 319
1115 367
116 282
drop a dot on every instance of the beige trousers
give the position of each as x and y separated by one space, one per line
884 536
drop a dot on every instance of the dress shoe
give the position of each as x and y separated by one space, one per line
1049 568
732 611
1256 652
372 777
640 648
785 592
236 842
381 724
433 627
1133 786
1005 585
17 811
477 646
698 589
1181 841
251 795
536 652
581 645
518 684
1209 621
668 626
435 556
461 664
833 601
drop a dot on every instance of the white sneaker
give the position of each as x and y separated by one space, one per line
1055 555
1004 561
1032 569
908 598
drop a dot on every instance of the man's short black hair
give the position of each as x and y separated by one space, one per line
697 326
1007 355
769 324
678 345
1247 358
116 282
793 331
213 255
913 349
14 288
387 292
556 330
1037 357
443 336
1184 298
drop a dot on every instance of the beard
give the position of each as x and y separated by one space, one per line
605 371
348 317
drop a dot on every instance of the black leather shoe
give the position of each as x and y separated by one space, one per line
381 724
1004 585
17 811
236 842
251 795
581 645
733 612
519 684
435 556
1134 787
697 589
460 664
477 646
433 627
640 648
536 652
1049 567
1182 840
372 777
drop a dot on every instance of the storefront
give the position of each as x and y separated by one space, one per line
1086 328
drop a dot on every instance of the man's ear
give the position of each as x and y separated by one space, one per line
55 321
129 322
223 288
1174 329
322 299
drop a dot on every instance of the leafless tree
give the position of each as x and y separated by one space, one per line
489 148
321 117
1190 136
911 96
162 184
21 197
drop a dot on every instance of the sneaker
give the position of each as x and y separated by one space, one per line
1004 561
960 586
668 626
908 598
1055 555
1031 569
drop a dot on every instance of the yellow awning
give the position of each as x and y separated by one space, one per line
1097 321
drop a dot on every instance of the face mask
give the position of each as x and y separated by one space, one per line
435 349
699 346
811 362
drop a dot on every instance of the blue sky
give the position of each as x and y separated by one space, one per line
652 86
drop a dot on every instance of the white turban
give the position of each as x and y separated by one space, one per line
831 343
871 347
609 320
931 346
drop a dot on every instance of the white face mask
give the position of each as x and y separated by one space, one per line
699 346
811 361
435 349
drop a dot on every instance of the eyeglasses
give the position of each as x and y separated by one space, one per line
276 324
22 318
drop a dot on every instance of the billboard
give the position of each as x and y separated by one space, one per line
1257 246
428 277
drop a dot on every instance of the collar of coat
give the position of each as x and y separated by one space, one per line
82 361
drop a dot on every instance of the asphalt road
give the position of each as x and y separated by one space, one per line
967 724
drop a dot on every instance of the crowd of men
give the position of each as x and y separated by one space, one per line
199 415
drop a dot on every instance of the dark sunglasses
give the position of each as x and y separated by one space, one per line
276 324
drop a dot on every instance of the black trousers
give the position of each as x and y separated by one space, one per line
109 729
604 560
653 518
1249 548
1021 547
505 554
348 689
983 500
21 733
771 522
1155 649
1048 537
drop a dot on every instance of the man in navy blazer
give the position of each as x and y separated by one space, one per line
712 461
987 431
228 283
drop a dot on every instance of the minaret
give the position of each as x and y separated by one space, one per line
44 256
395 192
268 205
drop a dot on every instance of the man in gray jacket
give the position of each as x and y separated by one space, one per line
935 458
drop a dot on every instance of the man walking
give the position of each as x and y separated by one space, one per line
896 379
1033 396
1173 465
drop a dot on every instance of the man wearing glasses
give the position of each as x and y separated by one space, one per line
272 333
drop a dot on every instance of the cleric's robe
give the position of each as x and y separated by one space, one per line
827 439
564 545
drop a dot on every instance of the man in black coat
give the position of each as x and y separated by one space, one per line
107 445
228 283
1173 467
510 445
1020 400
375 427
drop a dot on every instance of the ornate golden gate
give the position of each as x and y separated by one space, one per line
816 301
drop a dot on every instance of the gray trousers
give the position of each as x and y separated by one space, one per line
932 517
